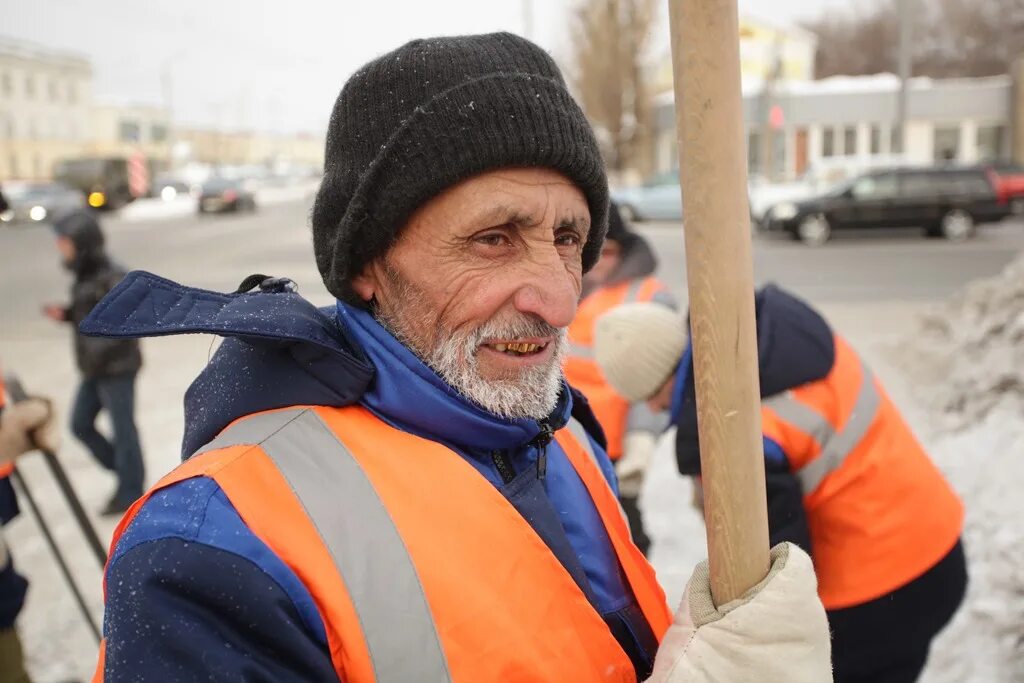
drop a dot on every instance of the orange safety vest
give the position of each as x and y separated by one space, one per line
582 370
410 586
880 513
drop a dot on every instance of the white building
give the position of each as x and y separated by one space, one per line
45 108
854 119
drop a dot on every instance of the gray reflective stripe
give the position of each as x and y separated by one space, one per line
251 430
361 538
633 293
580 432
839 445
805 418
580 351
834 454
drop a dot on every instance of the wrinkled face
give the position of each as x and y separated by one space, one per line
482 284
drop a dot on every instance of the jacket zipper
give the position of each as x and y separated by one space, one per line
504 465
541 441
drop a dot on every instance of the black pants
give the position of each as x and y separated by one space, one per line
636 523
887 640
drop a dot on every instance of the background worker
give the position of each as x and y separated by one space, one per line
624 274
846 478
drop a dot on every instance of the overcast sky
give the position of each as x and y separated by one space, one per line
275 64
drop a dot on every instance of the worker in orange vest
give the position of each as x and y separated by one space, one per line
847 480
624 274
401 486
21 426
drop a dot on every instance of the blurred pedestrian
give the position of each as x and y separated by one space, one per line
624 274
108 366
847 481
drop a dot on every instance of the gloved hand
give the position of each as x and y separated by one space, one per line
637 449
25 426
775 633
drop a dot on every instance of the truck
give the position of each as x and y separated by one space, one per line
102 180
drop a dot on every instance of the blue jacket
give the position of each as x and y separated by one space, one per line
794 346
191 587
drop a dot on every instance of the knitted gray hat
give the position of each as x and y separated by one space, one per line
432 113
638 346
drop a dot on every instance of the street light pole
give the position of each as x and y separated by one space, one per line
904 68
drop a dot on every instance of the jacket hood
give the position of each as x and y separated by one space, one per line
81 227
794 346
637 261
280 350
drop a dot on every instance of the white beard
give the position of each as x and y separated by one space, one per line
531 393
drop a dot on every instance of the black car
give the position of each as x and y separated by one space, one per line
946 202
222 194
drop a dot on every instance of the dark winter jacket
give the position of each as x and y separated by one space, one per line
195 590
95 275
794 346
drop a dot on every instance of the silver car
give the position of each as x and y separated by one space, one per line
39 202
658 199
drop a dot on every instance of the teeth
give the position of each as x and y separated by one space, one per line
517 347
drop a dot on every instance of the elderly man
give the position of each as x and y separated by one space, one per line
402 487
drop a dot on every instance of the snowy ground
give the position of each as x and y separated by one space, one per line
981 453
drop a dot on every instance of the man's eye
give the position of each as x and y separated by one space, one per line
568 239
493 239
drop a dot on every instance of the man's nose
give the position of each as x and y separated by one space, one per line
550 293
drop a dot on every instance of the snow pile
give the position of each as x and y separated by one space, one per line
965 365
972 349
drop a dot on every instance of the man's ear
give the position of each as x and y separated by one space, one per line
366 284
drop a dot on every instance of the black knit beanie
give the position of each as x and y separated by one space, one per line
418 120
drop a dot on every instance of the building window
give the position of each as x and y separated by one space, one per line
876 139
850 141
130 131
828 142
5 83
990 142
72 94
158 132
14 165
54 88
30 87
946 143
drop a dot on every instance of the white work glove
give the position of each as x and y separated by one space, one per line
25 426
775 633
637 449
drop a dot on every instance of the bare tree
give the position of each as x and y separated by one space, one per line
610 75
952 38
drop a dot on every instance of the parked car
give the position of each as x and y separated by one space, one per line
1009 181
38 202
820 177
659 198
225 194
947 202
